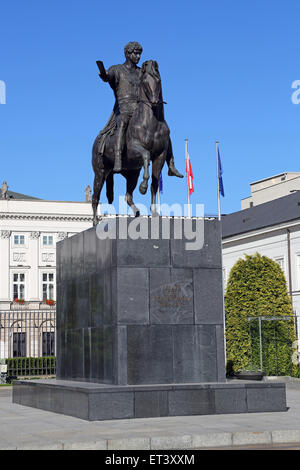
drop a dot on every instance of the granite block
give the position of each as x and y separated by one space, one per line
81 312
120 357
191 402
43 398
89 252
76 403
230 400
111 406
261 399
77 353
77 255
151 404
150 354
108 354
208 256
208 296
101 402
132 295
171 296
97 354
68 354
104 253
60 353
87 353
187 353
96 293
220 353
56 400
70 304
130 311
208 353
140 252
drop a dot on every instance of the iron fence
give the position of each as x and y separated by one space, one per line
28 341
273 343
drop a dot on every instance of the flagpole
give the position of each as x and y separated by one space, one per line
187 177
219 213
218 180
158 197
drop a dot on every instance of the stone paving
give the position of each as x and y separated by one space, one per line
29 428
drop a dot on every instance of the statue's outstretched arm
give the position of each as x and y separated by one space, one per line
102 71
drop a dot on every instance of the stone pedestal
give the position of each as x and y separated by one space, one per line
141 311
140 327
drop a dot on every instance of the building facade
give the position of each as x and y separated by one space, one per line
271 229
271 188
29 231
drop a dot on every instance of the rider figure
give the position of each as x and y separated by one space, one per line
124 79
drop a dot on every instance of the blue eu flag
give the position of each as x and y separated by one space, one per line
160 184
221 187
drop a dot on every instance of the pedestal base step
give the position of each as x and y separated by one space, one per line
93 402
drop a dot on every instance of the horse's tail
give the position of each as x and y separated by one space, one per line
110 187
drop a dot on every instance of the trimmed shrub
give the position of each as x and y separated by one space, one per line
257 287
30 366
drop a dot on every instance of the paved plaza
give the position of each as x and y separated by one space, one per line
30 428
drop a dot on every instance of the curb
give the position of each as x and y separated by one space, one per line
184 442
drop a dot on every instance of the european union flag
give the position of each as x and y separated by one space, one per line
160 184
221 187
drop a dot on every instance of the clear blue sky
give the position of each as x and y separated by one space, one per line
226 66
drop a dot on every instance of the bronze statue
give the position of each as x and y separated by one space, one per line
136 132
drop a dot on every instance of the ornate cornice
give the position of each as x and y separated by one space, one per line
34 235
63 218
62 235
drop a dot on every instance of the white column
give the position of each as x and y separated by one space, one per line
32 283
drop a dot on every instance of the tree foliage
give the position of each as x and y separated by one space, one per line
257 287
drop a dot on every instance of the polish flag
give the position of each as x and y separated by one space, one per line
189 174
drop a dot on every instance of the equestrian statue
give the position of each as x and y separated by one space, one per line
136 133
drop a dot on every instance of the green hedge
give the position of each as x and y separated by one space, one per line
257 287
30 366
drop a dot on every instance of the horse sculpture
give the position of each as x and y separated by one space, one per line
147 139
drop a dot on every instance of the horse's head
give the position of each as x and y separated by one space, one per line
151 83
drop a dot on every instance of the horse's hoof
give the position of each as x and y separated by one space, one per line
154 212
137 213
174 172
143 188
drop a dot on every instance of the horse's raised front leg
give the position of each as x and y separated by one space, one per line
144 184
136 148
157 166
132 179
98 185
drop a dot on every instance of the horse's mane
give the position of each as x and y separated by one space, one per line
151 67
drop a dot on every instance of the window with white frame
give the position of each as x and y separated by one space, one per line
298 271
280 261
47 240
48 286
19 286
19 240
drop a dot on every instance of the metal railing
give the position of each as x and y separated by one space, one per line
28 334
273 343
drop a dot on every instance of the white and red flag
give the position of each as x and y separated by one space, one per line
189 174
